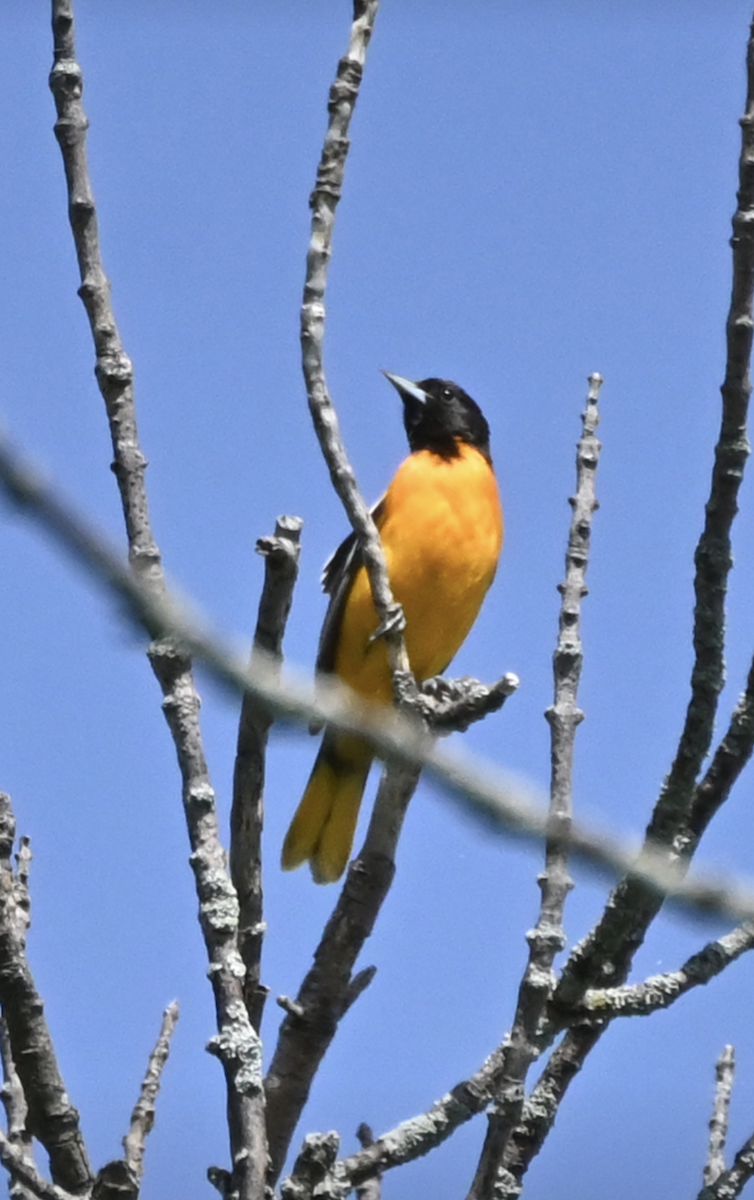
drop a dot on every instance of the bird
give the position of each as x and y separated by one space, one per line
441 526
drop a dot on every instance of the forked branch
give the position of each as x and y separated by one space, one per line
682 811
660 991
721 1183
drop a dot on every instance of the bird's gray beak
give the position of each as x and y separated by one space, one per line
406 389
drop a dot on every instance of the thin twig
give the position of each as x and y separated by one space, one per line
51 1117
142 1117
329 987
524 1043
281 554
719 1183
417 1136
113 367
323 202
660 991
501 803
236 1043
725 1070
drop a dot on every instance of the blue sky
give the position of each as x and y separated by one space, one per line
534 192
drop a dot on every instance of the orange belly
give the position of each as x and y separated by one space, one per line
441 530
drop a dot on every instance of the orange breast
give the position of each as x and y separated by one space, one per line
442 530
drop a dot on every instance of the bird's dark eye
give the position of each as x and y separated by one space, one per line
447 393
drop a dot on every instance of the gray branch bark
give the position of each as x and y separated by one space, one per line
330 987
20 1166
684 807
524 1043
729 1184
720 1183
16 1112
323 202
725 1070
51 1118
236 1043
660 991
142 1117
281 555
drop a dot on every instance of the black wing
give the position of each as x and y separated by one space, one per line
337 577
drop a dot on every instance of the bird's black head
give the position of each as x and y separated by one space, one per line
438 415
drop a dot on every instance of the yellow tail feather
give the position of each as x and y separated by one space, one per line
323 827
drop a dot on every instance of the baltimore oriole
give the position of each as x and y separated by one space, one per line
441 527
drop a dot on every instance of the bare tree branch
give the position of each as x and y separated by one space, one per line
719 1183
236 1043
567 1060
20 1167
729 760
660 991
681 812
414 1138
330 988
14 1103
631 910
142 1117
313 1169
725 1070
12 1092
730 1184
524 1043
281 555
324 201
51 1117
713 553
113 369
